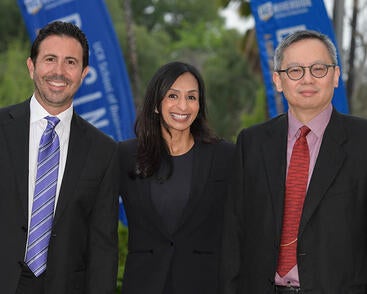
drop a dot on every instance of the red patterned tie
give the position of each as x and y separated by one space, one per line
295 192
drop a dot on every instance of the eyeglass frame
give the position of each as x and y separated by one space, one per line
304 70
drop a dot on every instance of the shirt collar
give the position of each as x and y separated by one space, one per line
317 125
38 112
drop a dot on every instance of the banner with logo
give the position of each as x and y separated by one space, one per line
105 98
276 19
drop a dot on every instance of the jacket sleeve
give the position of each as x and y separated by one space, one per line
103 233
230 260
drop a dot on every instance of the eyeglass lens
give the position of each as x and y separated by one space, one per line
316 70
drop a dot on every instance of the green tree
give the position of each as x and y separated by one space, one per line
244 8
15 84
11 24
258 113
169 15
231 86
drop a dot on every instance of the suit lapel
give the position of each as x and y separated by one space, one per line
274 152
200 173
202 160
145 198
77 154
329 161
16 131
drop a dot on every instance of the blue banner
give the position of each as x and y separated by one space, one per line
276 19
104 98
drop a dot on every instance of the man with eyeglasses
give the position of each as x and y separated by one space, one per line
296 217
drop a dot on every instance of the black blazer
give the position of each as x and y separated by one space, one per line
82 256
332 240
191 254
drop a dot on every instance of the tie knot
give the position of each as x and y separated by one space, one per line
52 121
304 131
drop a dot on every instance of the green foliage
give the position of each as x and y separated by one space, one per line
231 86
258 113
153 51
244 8
123 236
15 84
168 15
11 24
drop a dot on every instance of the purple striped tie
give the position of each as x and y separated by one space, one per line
44 198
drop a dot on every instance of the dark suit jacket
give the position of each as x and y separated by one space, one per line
332 240
82 256
191 254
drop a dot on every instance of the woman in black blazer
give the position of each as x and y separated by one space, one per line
173 184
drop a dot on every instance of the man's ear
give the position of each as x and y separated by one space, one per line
277 81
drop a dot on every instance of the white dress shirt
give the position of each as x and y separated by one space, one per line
37 126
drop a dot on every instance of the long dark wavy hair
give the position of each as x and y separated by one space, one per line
152 148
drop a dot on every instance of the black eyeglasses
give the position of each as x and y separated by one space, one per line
317 70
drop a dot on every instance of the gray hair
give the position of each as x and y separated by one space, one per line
302 35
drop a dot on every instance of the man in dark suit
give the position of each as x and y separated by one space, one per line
327 250
78 251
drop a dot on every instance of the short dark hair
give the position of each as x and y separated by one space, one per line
152 148
303 35
60 28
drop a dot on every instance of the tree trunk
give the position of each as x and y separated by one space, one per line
350 82
132 52
338 17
